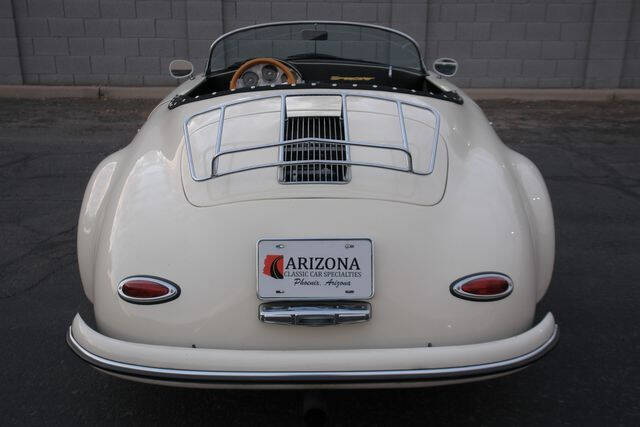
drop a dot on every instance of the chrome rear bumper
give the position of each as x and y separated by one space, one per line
315 378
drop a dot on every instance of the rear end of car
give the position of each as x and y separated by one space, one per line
315 238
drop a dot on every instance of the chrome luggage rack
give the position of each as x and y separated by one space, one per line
404 148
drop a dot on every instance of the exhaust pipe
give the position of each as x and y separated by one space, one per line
314 410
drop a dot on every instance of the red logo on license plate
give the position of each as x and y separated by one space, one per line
274 266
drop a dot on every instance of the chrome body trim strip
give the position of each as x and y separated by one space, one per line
182 375
218 153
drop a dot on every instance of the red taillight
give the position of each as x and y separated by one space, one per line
147 290
486 286
483 287
144 289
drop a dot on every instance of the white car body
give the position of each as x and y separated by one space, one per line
470 205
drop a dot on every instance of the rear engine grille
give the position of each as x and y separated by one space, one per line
314 127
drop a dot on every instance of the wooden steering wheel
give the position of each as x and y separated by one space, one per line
291 78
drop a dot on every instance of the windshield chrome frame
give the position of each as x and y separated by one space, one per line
357 24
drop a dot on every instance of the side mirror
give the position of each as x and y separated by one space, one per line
180 68
445 67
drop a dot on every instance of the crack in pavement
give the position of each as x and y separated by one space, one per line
36 247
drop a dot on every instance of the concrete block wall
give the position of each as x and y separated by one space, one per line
499 43
10 68
536 44
99 42
630 74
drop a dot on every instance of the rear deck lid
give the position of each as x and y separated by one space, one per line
302 146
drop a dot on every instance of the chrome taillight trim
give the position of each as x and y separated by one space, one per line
456 287
174 290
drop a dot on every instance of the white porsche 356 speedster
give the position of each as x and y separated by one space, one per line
316 174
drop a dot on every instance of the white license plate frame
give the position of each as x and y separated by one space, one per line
319 278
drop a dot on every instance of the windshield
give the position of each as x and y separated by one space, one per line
321 41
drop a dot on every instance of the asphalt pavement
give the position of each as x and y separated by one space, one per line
589 154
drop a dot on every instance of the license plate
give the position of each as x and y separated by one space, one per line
323 269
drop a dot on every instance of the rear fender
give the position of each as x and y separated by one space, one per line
96 198
537 203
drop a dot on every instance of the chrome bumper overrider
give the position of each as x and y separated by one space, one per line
311 377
